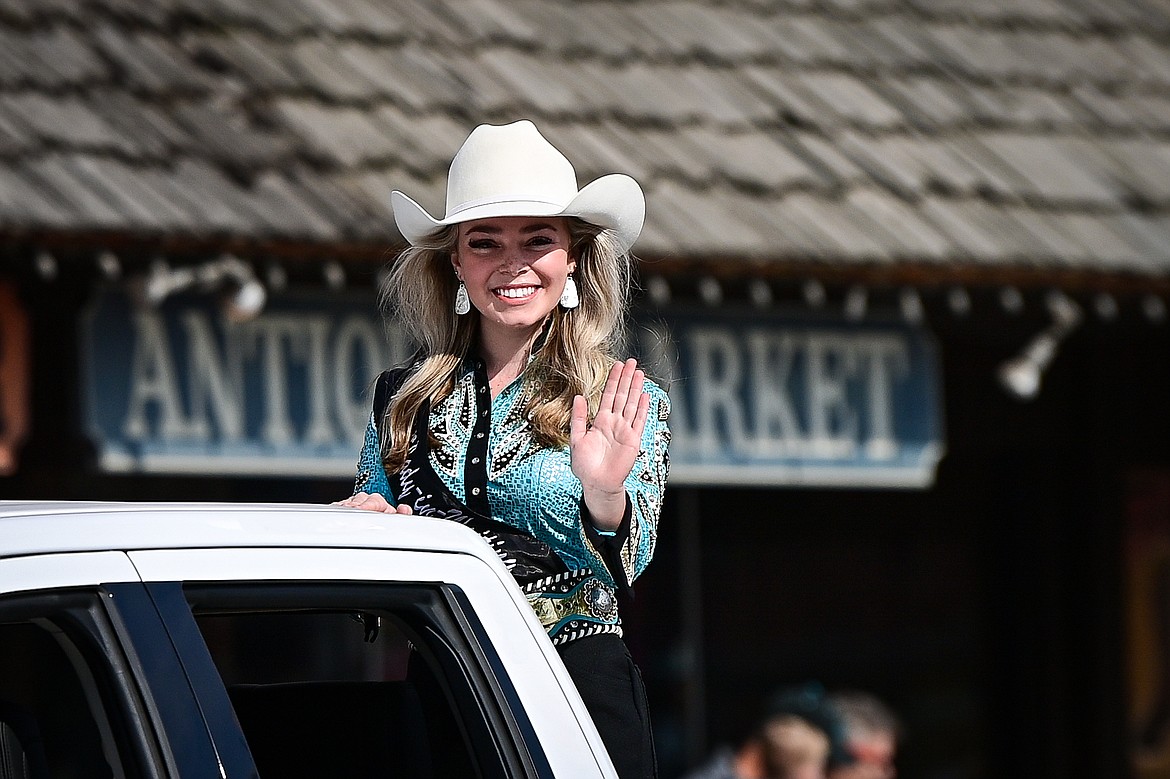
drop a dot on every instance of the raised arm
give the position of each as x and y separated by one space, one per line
603 453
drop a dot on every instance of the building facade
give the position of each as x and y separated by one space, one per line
904 272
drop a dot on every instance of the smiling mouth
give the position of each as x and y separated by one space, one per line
515 293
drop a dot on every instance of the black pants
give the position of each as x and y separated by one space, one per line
611 686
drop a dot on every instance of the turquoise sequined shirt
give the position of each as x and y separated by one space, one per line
533 488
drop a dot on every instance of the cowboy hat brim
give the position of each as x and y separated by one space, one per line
615 202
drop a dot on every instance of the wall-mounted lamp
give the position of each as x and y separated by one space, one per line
1021 375
244 296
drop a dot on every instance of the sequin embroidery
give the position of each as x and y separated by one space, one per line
532 489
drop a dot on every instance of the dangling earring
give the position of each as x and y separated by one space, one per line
569 298
462 302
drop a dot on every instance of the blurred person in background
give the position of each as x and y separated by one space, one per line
871 734
799 735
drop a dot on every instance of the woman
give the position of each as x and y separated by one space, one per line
514 417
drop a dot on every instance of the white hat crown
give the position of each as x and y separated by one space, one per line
512 170
499 165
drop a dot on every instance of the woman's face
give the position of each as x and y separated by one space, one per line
514 267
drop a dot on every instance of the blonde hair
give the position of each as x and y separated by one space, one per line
574 359
795 748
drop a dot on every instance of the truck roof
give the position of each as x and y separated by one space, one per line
44 527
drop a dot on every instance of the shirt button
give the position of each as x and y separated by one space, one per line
474 460
479 435
475 490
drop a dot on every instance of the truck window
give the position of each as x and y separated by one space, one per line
334 693
62 712
353 681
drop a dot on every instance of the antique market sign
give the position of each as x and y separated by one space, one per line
772 399
758 398
181 389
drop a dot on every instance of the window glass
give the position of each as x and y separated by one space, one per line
59 716
287 646
344 691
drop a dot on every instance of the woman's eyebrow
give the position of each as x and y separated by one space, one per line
493 230
535 228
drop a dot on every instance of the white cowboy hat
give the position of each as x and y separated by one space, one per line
511 170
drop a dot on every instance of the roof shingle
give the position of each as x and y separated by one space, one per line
1004 133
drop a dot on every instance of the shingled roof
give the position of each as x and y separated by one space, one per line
939 135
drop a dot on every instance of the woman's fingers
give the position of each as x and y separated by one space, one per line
634 393
609 391
641 414
372 502
578 420
353 500
367 501
625 380
622 413
624 404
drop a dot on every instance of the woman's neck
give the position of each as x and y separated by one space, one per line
505 355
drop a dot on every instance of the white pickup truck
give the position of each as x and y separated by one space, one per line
280 641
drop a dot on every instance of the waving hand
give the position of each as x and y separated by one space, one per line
603 453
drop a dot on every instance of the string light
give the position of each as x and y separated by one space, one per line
109 265
910 303
710 291
659 290
814 293
959 301
856 302
1011 300
381 276
46 265
1106 306
760 293
276 277
334 275
1154 308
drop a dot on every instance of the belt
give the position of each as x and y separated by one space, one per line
578 594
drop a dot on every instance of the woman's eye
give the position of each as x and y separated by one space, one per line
481 243
540 240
